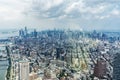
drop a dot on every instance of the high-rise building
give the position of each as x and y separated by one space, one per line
26 31
35 33
116 67
60 53
100 69
23 70
21 33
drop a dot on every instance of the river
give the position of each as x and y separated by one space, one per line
8 33
3 69
4 63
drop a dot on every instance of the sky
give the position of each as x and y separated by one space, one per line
60 14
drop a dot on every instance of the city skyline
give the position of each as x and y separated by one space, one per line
60 14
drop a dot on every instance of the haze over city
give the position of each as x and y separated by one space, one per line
50 14
59 39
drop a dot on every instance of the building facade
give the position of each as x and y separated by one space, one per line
23 70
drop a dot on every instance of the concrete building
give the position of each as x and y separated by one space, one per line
23 70
33 76
100 69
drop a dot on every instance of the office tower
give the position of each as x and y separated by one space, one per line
60 54
21 33
23 70
116 67
26 31
100 69
35 33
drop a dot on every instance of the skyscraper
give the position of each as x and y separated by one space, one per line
21 33
100 69
23 70
35 33
26 31
116 67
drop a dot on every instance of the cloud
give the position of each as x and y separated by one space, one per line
45 5
115 12
11 9
60 13
102 17
60 9
46 8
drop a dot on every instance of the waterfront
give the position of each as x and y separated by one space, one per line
5 34
3 61
3 69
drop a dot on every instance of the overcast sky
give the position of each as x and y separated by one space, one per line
49 14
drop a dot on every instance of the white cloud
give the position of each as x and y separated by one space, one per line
55 11
102 17
78 5
45 5
7 13
97 10
115 12
11 9
82 7
62 16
